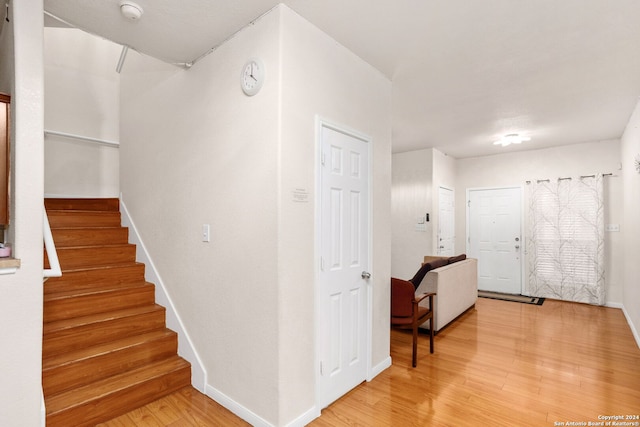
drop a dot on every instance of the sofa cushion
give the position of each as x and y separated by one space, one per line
457 258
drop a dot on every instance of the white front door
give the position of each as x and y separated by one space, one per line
495 217
344 264
446 222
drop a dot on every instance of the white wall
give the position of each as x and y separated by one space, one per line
417 178
411 196
82 97
21 293
631 230
196 150
513 169
321 77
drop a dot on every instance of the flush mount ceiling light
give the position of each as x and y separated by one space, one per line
512 138
131 10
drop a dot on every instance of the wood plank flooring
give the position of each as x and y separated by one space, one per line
503 363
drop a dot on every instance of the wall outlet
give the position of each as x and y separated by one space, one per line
206 236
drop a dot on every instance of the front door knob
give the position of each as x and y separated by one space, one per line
366 275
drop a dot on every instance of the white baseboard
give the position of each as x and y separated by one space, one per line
43 411
305 418
185 345
376 370
254 419
238 409
634 331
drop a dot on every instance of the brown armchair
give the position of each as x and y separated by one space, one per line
407 314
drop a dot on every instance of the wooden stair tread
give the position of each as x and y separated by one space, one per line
132 287
83 235
90 268
80 212
83 395
112 245
76 211
59 219
54 361
70 304
71 334
84 366
111 204
66 324
79 256
88 277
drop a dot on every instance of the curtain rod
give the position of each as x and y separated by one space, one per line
569 178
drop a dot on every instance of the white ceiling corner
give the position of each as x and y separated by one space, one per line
464 73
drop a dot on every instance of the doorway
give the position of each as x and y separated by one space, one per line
344 315
494 237
446 222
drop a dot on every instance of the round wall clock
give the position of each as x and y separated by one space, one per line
252 76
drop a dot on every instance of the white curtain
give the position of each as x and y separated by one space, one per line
565 239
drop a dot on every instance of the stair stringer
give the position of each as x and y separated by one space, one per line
173 320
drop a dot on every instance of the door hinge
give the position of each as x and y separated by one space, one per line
322 159
321 369
321 264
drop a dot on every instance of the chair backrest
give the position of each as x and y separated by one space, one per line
402 295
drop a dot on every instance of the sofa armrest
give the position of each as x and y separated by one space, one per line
456 288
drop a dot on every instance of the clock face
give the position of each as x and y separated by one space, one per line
252 76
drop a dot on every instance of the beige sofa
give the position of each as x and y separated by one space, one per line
456 288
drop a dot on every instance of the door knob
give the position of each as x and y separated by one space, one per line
366 275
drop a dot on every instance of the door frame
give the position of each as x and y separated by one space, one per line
320 124
522 219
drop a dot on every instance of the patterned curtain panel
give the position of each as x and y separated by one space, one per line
565 239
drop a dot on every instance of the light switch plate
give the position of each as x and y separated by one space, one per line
613 227
206 235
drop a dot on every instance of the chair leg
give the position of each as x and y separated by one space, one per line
415 346
431 328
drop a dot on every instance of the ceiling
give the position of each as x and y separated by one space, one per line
464 73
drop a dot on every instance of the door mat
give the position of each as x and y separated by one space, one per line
509 297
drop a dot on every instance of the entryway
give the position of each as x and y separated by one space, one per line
494 237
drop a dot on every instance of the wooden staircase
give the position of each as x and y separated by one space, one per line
106 349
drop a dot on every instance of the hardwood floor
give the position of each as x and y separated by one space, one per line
503 363
185 407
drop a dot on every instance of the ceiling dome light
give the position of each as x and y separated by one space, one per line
512 138
130 10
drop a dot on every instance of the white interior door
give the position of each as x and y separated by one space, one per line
495 218
446 222
343 281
